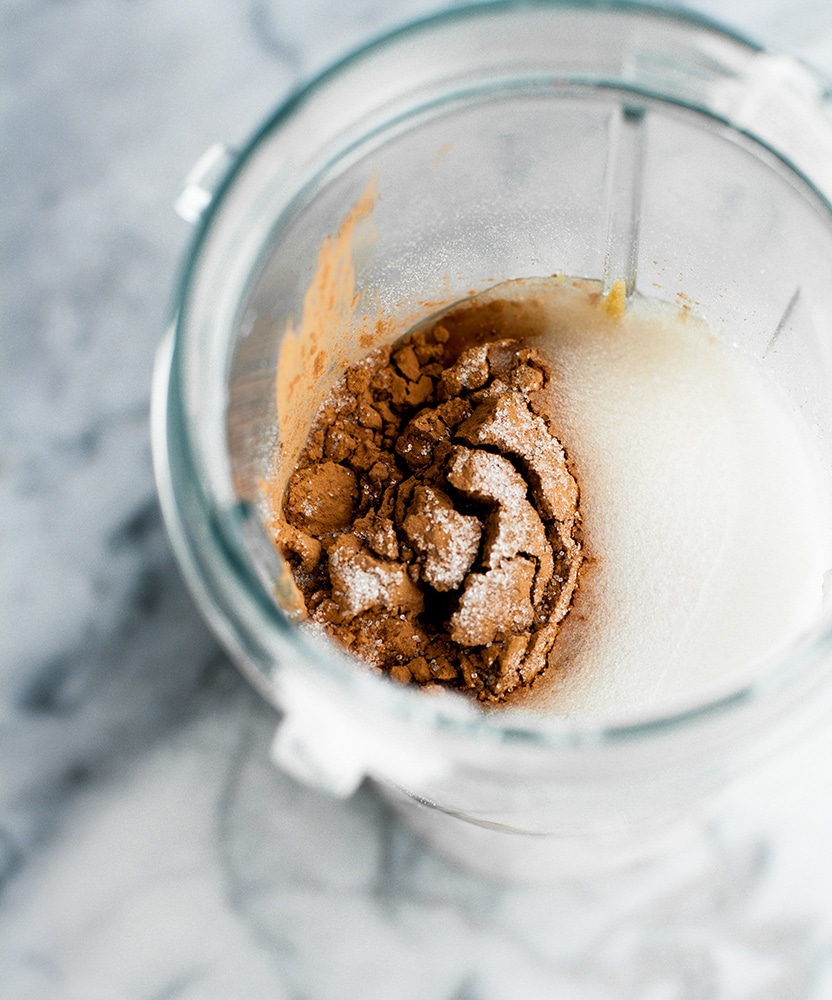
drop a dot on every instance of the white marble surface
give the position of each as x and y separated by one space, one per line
147 848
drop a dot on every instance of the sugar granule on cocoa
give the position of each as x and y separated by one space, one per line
432 522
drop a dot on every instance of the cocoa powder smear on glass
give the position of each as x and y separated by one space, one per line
431 523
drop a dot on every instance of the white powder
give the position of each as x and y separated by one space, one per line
706 531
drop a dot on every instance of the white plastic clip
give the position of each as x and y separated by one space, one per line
203 181
322 744
313 754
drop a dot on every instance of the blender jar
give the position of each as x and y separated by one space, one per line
499 141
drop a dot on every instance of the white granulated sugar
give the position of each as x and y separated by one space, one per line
471 365
446 540
361 582
705 528
514 526
491 600
513 427
461 539
517 530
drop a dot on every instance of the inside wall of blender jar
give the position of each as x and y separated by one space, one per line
730 232
518 188
464 198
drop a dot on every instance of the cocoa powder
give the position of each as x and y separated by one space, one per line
432 523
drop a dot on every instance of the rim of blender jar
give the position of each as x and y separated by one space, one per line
206 536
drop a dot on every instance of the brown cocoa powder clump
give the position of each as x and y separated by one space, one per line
432 523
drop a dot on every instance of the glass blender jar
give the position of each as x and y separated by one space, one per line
503 140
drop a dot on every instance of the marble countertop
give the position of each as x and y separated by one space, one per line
148 849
